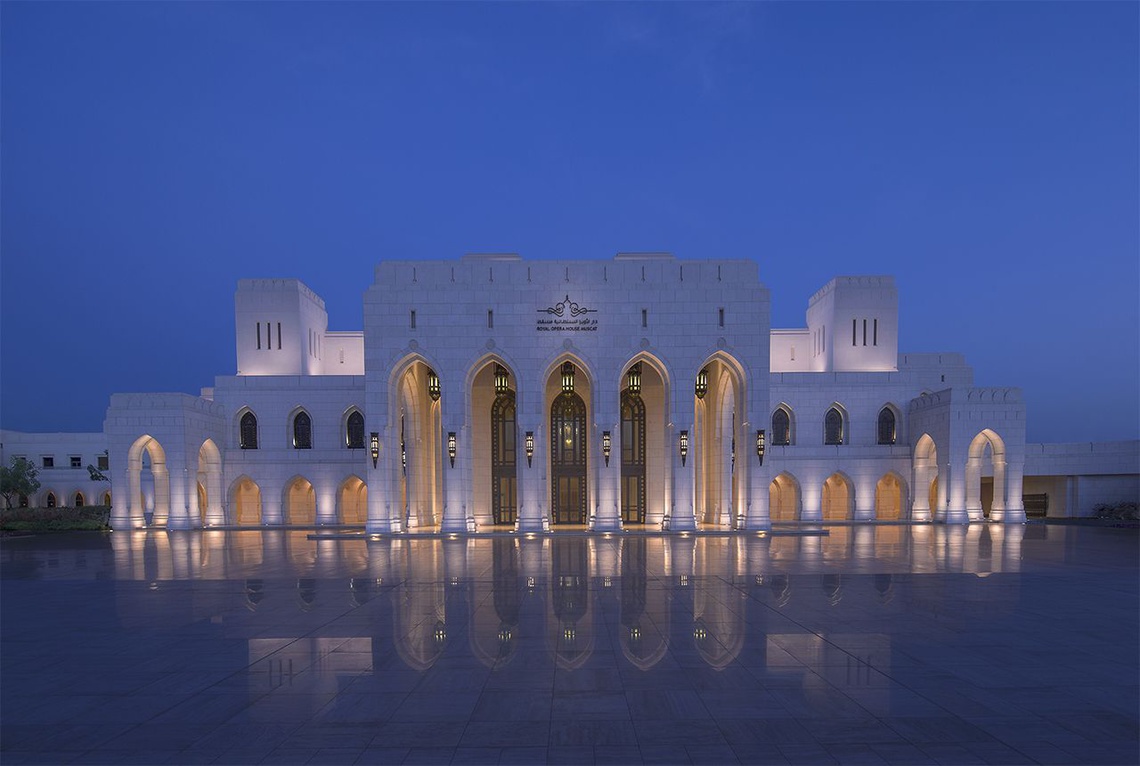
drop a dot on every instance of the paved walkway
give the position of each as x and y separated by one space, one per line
871 644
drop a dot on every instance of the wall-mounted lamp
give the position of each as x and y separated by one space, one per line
684 446
374 447
633 380
606 447
760 445
529 447
502 380
702 386
433 385
567 378
451 447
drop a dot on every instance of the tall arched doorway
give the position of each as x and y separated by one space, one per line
888 498
719 412
784 498
986 448
146 467
504 459
418 423
353 501
210 484
837 496
925 503
300 503
633 491
245 502
568 489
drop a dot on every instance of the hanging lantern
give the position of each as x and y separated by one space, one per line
760 445
433 385
529 447
451 447
502 380
606 446
567 378
702 386
374 447
633 379
683 446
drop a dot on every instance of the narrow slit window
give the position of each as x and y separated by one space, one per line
278 335
490 319
259 336
720 317
412 319
875 336
854 323
645 317
864 332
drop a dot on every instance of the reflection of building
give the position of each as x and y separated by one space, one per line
495 392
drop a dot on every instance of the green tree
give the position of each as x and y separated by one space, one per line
17 479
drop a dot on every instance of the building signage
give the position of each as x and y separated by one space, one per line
566 316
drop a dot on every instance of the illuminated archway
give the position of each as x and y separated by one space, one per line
986 446
148 447
838 498
245 502
889 498
644 393
300 502
352 501
569 406
210 511
417 426
719 444
784 498
925 502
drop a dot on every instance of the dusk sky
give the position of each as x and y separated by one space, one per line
985 154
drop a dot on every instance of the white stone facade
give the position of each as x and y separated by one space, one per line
423 420
61 461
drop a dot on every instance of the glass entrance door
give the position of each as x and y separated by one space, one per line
504 470
568 494
632 459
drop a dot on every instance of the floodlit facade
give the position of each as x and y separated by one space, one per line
492 392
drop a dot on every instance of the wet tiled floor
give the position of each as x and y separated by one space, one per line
870 644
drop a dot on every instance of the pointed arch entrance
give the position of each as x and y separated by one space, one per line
210 484
146 456
838 496
352 501
719 414
889 498
245 502
784 498
986 447
924 505
300 503
418 425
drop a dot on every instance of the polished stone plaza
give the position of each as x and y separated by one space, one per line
852 644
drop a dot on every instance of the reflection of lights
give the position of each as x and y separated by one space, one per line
453 536
759 579
607 582
375 537
635 633
983 574
684 534
154 586
379 580
700 633
440 634
531 535
505 636
761 534
683 580
454 582
569 634
530 583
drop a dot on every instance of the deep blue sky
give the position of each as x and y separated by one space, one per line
986 154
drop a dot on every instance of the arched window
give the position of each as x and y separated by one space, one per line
354 431
106 498
78 500
50 500
833 427
781 428
504 471
887 433
302 431
248 429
